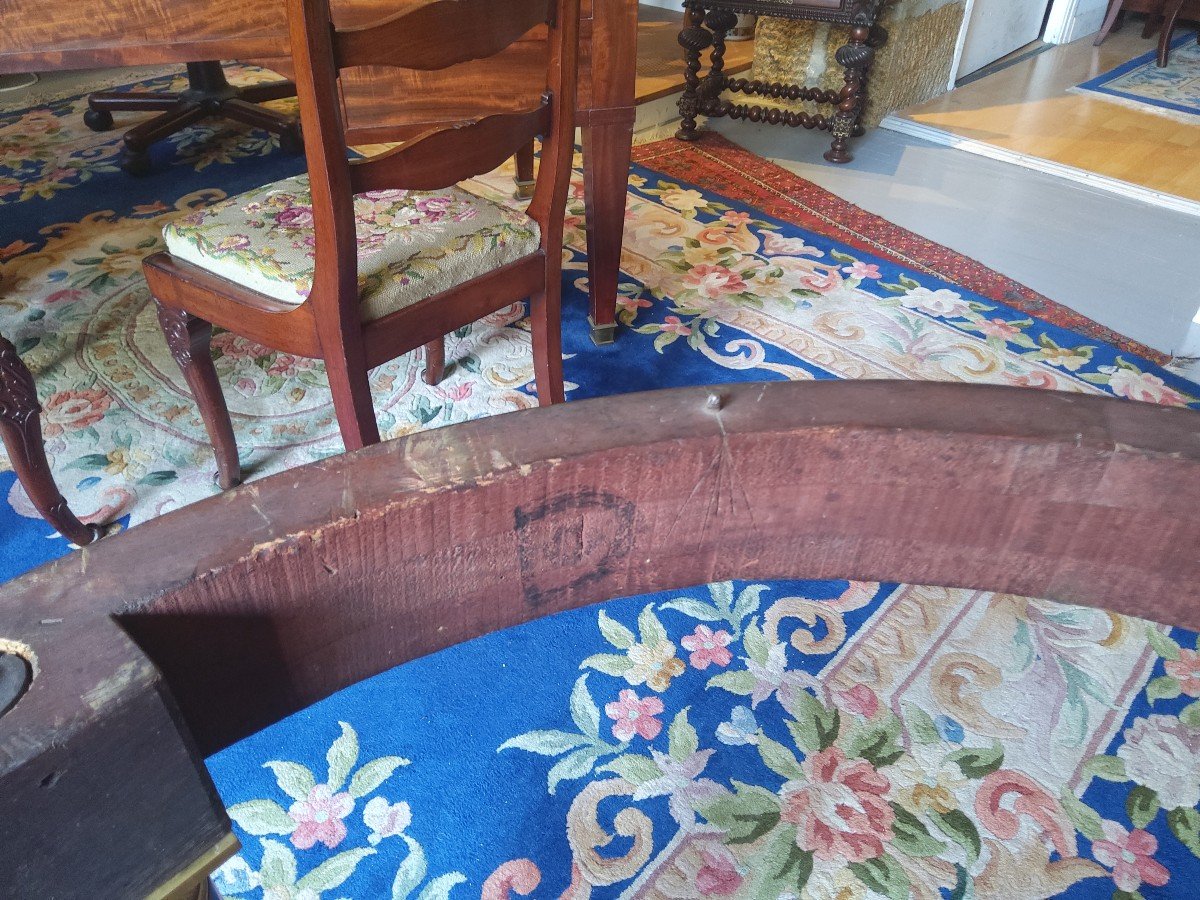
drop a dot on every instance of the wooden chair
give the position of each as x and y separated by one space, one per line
1158 13
1172 11
361 261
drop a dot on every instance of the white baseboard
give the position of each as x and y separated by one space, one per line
1059 170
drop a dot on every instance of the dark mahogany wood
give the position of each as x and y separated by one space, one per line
100 33
189 340
208 94
21 431
482 28
329 322
702 95
146 644
449 155
1172 11
97 33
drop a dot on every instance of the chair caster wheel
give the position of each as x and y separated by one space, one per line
98 119
135 163
291 140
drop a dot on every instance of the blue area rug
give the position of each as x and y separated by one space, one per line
815 740
1141 84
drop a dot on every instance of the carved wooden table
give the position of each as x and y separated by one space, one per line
97 33
143 655
702 96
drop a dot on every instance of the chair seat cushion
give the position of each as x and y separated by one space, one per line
411 244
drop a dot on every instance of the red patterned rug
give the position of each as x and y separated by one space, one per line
719 165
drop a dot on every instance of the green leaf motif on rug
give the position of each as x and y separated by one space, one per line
342 755
977 762
1142 806
746 815
781 868
884 875
958 827
1185 825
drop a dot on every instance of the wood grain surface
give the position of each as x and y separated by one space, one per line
313 579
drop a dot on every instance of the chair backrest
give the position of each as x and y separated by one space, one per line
425 36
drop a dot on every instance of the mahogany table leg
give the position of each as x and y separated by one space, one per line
606 152
524 180
22 434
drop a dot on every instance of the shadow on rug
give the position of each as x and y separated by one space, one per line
795 739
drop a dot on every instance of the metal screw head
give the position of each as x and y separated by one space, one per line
714 400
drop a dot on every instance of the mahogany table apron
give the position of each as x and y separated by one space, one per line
702 96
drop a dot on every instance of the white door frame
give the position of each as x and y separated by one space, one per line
1069 20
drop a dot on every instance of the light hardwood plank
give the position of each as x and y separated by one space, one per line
1027 109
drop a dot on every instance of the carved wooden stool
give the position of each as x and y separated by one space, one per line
702 96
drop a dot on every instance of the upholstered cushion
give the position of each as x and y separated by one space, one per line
411 244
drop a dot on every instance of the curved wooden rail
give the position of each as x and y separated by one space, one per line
253 604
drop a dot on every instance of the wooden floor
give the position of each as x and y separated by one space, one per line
1026 109
660 58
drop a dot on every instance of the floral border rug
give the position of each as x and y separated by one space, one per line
815 740
1173 91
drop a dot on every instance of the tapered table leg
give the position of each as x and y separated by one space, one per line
606 152
21 430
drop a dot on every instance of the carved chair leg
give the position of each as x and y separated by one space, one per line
1171 11
1112 21
352 403
694 39
545 315
21 430
856 58
1153 21
524 180
189 339
435 360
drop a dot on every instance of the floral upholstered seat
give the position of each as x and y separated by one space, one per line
411 244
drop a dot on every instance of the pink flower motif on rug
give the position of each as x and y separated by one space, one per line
714 281
72 410
718 877
841 812
632 716
1144 386
1186 669
1130 855
319 818
862 270
859 699
707 647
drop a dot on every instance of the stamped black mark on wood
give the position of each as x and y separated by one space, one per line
570 542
